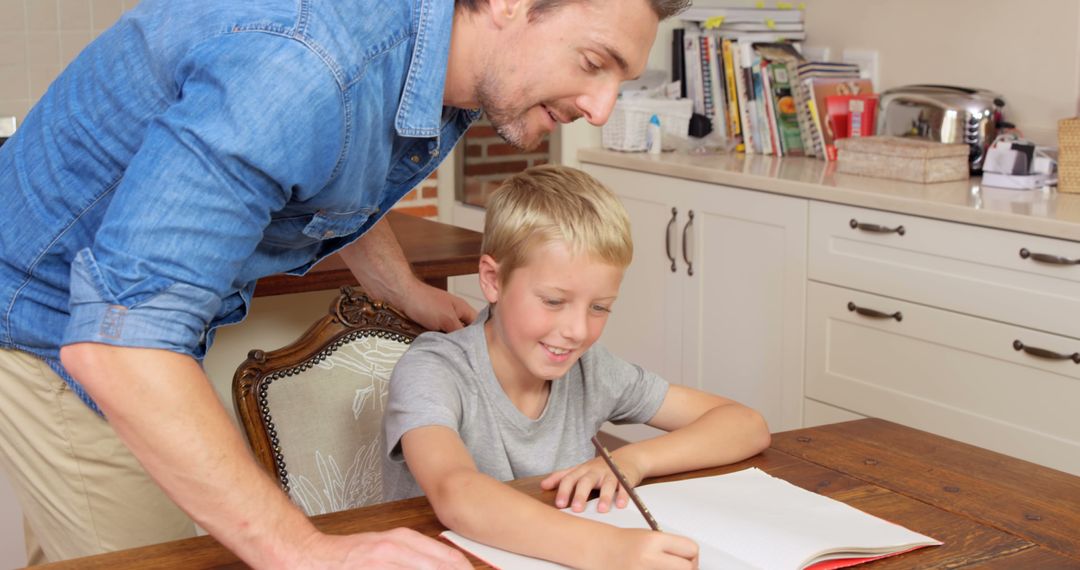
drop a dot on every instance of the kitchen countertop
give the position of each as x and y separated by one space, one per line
1040 212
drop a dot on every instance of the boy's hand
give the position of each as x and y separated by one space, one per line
641 548
575 483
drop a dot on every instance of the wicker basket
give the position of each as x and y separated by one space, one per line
1069 155
625 129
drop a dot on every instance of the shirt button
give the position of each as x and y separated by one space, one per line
435 152
328 234
415 158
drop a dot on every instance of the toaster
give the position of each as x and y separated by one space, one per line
946 114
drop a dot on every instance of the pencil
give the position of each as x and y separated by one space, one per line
622 481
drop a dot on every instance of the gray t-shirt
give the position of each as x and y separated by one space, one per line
447 380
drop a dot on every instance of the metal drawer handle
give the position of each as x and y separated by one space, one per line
856 225
667 238
1048 354
686 258
1047 258
874 314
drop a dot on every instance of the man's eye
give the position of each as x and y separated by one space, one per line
601 309
590 65
553 302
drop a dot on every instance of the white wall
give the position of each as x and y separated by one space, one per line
1029 52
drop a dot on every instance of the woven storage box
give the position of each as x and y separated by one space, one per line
625 129
1069 155
911 159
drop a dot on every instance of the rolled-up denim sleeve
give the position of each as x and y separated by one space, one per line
256 120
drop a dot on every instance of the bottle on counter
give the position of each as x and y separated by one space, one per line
653 135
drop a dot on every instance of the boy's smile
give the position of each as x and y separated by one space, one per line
546 315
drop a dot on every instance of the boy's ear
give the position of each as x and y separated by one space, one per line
489 278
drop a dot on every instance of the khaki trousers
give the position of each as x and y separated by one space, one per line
81 490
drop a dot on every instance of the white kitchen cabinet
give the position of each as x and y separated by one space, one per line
959 330
716 301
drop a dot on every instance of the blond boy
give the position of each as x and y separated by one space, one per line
521 391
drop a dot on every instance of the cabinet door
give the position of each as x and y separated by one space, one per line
744 298
644 327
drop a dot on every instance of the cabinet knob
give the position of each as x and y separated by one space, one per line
875 228
875 314
685 256
1048 258
1044 353
667 238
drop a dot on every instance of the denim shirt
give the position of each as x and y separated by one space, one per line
199 145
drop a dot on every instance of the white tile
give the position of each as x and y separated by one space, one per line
13 49
106 12
12 16
43 49
75 15
42 15
13 82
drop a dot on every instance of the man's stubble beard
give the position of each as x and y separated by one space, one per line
509 123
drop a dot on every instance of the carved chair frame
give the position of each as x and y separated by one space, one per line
351 315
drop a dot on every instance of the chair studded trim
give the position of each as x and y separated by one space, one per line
351 316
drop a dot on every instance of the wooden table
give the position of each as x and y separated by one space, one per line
991 511
435 251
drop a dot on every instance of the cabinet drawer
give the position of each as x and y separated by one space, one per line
947 373
973 270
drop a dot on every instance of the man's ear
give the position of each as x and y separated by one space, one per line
503 12
489 278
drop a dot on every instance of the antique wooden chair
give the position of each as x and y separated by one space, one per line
312 411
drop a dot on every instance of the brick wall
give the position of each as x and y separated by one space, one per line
422 201
489 160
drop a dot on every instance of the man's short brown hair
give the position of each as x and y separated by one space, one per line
662 8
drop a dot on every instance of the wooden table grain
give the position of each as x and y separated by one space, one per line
435 251
990 510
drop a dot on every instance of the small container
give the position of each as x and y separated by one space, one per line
654 135
1069 155
625 129
903 158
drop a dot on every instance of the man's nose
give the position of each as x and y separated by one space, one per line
596 104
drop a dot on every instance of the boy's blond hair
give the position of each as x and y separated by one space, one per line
555 203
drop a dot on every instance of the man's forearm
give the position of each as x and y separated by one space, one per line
165 410
378 263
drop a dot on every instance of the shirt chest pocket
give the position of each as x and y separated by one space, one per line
294 232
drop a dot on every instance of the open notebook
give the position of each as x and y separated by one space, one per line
745 520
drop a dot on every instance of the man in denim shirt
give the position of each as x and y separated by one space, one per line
199 145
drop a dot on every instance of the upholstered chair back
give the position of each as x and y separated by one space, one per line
312 411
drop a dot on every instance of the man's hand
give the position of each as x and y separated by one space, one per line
380 266
397 548
434 308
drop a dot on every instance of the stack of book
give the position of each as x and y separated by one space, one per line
820 82
743 69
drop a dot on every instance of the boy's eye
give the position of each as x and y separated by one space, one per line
590 65
553 302
601 309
